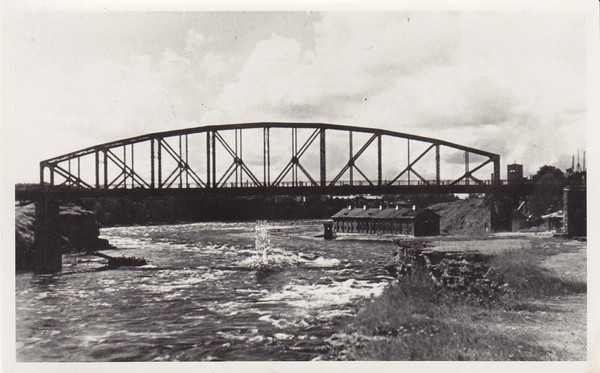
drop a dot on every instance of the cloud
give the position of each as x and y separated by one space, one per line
354 57
194 40
507 83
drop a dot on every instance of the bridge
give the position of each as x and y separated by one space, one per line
278 158
259 159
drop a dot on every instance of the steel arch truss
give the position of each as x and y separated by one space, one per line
170 165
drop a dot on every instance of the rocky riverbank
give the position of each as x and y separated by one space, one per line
77 231
468 275
483 300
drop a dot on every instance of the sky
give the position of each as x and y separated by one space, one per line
511 83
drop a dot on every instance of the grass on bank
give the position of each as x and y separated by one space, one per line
416 320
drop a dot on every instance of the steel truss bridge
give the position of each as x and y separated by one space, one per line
258 159
271 158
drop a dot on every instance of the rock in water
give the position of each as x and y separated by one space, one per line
122 261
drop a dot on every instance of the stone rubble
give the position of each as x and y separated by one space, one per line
467 275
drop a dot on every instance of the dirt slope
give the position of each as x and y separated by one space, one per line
468 216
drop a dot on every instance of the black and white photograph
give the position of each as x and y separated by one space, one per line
315 185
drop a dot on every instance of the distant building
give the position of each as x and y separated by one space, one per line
518 221
553 221
399 220
514 173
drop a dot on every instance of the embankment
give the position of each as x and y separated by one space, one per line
471 306
77 231
475 215
467 216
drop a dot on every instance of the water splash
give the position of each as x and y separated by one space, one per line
268 259
263 238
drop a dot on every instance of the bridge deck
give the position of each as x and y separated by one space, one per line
345 190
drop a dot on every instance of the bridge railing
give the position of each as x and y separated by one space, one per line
339 183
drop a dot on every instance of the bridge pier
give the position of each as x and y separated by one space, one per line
47 253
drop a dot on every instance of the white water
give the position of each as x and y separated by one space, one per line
199 297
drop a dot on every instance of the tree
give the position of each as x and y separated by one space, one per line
548 175
541 201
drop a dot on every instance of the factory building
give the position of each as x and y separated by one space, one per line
399 220
514 173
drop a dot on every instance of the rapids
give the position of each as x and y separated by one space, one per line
203 295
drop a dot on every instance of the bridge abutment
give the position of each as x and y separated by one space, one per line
47 252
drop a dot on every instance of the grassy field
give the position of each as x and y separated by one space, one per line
542 316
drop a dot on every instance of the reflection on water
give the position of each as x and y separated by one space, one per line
198 299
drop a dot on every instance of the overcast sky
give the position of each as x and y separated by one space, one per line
512 83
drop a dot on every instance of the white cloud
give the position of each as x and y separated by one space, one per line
194 40
495 81
430 74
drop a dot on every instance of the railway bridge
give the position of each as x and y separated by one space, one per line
268 158
299 156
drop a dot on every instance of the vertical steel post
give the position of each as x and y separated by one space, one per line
294 151
179 165
187 174
322 152
265 145
78 169
408 160
467 168
241 157
437 164
132 166
351 168
379 166
42 174
208 181
124 169
159 154
214 160
235 140
266 156
105 169
496 170
152 163
51 175
97 168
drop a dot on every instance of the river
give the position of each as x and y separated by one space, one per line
199 298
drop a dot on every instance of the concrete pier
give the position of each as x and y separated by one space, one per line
47 256
575 211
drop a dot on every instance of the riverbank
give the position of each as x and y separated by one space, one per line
76 231
540 316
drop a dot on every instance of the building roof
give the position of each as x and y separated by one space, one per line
557 214
387 213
